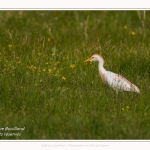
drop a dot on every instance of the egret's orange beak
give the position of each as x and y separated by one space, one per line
88 59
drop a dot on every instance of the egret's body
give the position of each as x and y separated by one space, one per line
116 81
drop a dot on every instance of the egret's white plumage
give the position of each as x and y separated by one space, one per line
116 81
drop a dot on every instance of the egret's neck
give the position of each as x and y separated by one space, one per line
101 67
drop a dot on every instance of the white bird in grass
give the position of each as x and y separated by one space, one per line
116 81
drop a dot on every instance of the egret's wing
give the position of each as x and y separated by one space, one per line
118 82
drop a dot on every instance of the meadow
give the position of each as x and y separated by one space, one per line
46 88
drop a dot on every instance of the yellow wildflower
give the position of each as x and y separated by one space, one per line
39 54
44 70
63 78
46 63
72 66
125 27
133 33
122 109
127 107
10 46
48 39
49 70
53 54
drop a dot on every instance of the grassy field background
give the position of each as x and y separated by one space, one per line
48 90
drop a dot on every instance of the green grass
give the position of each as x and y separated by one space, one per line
46 87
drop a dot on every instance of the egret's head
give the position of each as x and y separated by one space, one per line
95 57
